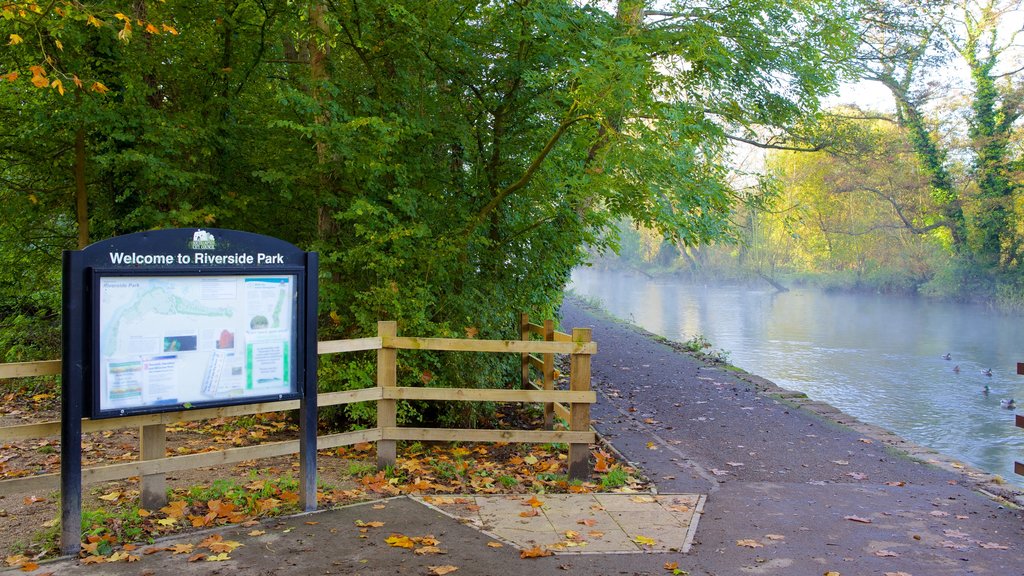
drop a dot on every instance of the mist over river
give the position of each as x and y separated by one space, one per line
876 357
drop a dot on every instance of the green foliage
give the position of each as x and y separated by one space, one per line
449 161
614 478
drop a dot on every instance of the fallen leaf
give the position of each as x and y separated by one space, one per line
257 533
533 501
535 552
175 509
218 557
29 566
993 546
400 541
428 550
495 545
118 556
749 543
956 534
886 554
181 549
111 497
895 574
645 540
588 522
529 513
93 559
857 519
775 536
225 546
644 499
938 513
34 499
441 570
374 524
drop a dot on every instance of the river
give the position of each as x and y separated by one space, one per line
876 357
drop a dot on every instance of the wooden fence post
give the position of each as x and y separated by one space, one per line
152 444
387 412
579 414
549 375
524 334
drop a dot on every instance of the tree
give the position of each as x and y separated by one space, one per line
448 160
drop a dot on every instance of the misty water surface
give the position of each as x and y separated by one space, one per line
876 357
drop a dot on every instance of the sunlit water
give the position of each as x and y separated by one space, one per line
876 357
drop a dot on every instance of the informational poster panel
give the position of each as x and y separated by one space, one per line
170 320
191 340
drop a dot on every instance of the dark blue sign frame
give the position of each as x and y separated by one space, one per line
176 253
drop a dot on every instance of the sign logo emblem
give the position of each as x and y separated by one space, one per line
202 240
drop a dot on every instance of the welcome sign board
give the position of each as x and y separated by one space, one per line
177 319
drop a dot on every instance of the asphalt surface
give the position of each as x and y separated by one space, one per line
789 491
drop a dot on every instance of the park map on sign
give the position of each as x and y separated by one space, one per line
167 340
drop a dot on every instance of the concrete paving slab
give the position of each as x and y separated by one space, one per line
582 523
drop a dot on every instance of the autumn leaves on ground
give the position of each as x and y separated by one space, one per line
116 529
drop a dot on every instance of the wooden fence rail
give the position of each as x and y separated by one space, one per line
154 464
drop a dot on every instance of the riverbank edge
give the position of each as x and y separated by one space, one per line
990 485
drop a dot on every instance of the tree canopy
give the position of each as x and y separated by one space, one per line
448 159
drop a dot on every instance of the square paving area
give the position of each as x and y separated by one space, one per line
581 523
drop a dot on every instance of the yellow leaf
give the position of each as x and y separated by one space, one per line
152 29
748 543
16 559
94 21
117 557
99 88
169 29
181 549
59 86
441 570
428 550
15 39
77 80
59 45
645 540
167 521
218 557
111 497
39 77
495 545
120 16
400 541
374 524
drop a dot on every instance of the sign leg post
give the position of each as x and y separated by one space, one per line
71 407
153 442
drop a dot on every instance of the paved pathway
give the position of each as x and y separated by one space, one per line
789 492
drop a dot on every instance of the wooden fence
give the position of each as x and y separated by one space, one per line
154 464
